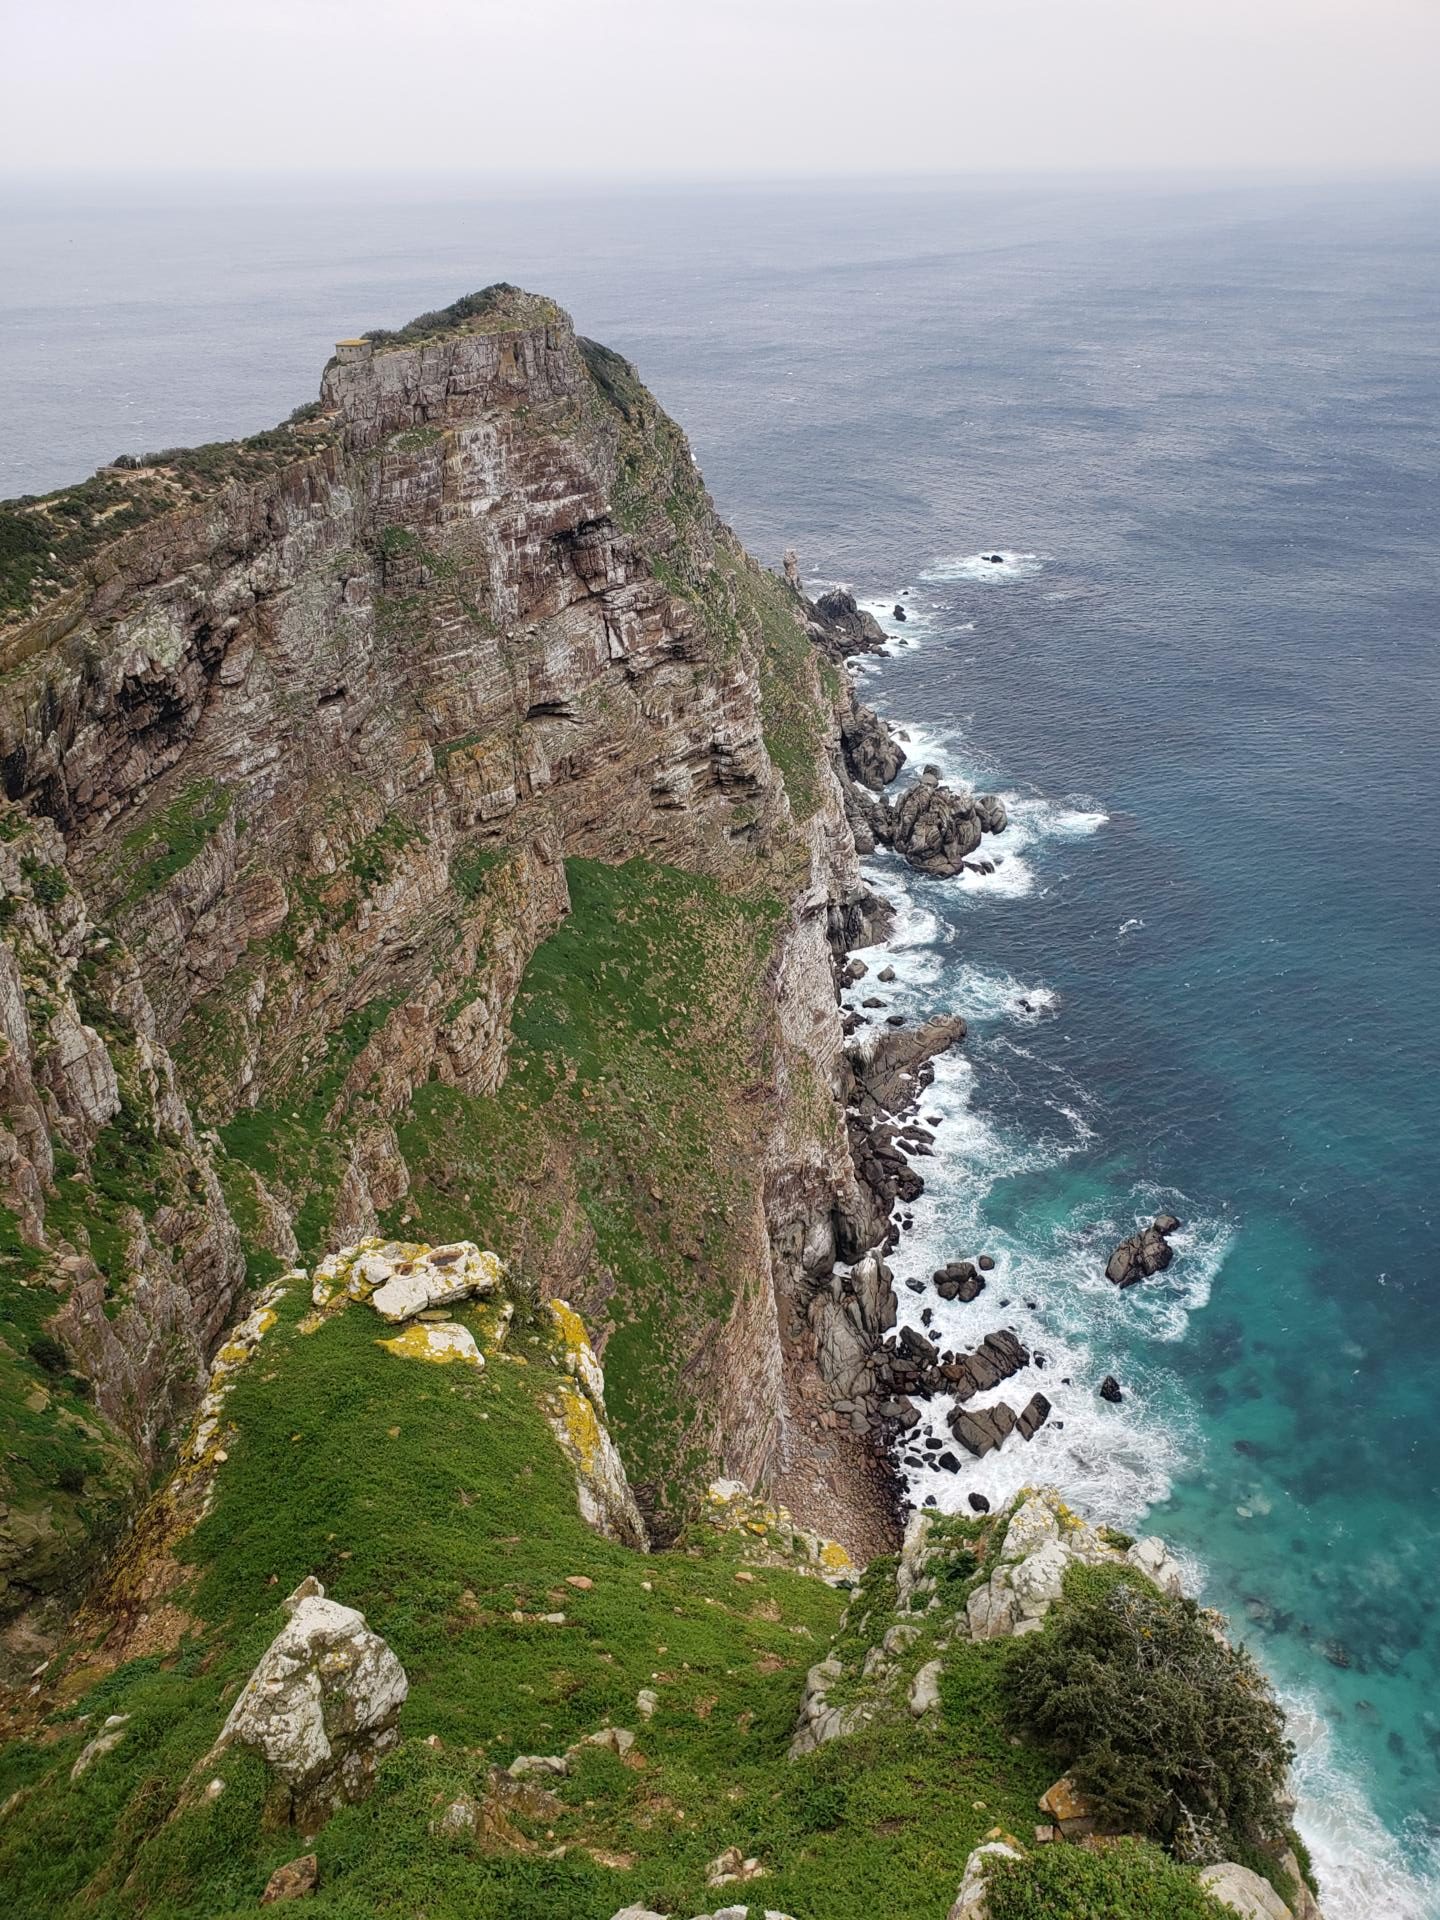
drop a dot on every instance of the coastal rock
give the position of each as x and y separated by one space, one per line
934 827
958 1280
1110 1390
872 754
1143 1254
321 1707
840 627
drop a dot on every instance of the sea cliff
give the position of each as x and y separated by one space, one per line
427 830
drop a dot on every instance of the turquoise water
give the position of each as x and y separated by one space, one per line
1206 423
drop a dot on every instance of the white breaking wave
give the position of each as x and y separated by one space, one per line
980 567
1361 1866
1117 1461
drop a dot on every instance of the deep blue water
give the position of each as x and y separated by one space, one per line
1205 423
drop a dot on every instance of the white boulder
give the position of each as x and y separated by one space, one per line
322 1705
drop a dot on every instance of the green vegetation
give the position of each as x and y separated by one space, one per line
46 540
293 1143
491 310
1172 1731
167 841
1131 1880
622 1119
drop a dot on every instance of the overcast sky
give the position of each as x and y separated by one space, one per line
721 87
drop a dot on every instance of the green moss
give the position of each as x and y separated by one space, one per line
167 841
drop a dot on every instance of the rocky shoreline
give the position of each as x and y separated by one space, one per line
877 1370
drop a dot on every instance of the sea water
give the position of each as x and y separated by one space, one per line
1201 424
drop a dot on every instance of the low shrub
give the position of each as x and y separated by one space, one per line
1174 1732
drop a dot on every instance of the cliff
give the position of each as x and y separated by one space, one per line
421 813
442 1321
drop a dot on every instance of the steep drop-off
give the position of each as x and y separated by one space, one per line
422 812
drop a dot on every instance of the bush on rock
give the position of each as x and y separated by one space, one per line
1171 1731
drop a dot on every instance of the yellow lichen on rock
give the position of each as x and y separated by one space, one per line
442 1343
576 1413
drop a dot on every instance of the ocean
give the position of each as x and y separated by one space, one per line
1201 420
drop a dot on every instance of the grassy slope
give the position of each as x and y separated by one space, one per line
436 1500
638 1025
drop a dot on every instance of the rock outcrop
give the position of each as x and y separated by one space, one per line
936 829
1144 1253
322 1706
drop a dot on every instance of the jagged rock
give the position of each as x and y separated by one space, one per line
840 627
1154 1559
981 1432
871 753
1143 1254
1110 1389
1033 1416
293 1881
322 1705
934 827
970 1902
1244 1891
888 1071
576 1412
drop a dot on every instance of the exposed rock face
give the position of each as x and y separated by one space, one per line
577 1418
1144 1253
295 768
1244 1891
321 1707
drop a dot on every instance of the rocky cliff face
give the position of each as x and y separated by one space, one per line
301 771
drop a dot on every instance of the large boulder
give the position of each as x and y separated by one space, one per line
1144 1253
840 626
1244 1892
321 1707
934 827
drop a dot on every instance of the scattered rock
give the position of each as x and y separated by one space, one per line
978 1503
1110 1390
986 1263
292 1881
1072 1811
538 1766
646 1701
1033 1416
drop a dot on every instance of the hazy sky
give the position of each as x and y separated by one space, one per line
721 86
